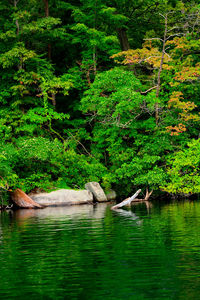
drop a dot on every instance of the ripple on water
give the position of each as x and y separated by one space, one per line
87 252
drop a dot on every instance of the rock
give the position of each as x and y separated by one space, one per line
63 197
23 200
111 195
97 191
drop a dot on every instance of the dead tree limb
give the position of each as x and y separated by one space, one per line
147 91
133 199
126 201
148 195
146 198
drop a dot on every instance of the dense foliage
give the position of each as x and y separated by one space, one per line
102 91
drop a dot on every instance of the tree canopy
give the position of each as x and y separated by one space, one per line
102 91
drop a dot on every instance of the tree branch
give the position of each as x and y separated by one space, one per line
147 91
150 39
172 35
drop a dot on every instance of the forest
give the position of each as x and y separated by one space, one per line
100 90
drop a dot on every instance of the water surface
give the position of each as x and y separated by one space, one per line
86 252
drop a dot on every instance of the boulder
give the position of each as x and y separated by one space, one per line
63 197
23 200
97 191
111 195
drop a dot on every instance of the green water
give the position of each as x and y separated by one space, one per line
87 252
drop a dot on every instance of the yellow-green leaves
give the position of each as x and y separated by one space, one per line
184 170
18 55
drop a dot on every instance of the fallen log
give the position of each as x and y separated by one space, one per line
126 201
129 200
22 200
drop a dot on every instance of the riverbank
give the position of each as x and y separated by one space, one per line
64 197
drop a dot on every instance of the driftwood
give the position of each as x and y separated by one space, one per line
22 200
126 201
133 199
146 198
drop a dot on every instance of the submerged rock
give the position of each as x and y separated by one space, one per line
97 191
63 197
23 200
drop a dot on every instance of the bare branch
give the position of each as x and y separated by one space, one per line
166 15
152 88
172 35
80 144
150 39
162 15
148 194
148 58
175 27
167 54
16 2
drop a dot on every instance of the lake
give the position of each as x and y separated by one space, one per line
92 252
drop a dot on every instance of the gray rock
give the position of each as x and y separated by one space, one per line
97 191
63 197
111 195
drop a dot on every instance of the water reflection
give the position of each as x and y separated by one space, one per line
1 235
147 204
129 215
70 212
87 252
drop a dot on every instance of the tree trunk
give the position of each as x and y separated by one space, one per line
123 39
20 65
46 3
159 72
53 97
16 22
49 51
94 61
46 7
